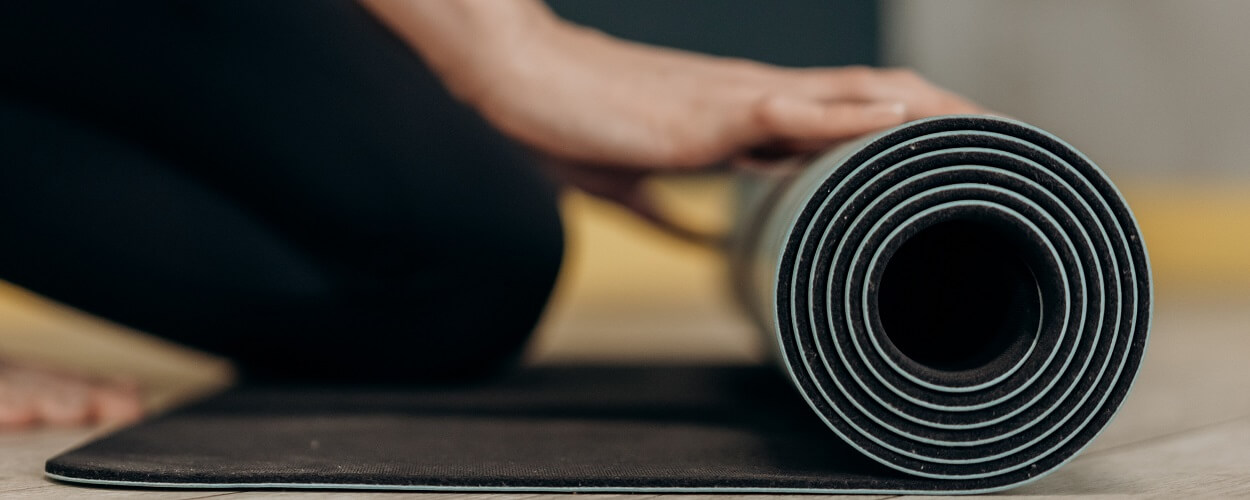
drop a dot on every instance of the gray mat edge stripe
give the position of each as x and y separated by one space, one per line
516 489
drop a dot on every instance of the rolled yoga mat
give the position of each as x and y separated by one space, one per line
962 304
964 299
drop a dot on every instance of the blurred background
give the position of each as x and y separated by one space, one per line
1154 91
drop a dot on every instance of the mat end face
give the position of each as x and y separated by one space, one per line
1028 409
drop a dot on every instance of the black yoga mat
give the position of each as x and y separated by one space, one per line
961 303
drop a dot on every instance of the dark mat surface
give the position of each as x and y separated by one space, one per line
584 428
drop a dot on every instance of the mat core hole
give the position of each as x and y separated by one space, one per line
958 295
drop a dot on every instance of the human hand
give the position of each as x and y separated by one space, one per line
609 112
586 98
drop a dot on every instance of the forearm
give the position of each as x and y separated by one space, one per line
462 40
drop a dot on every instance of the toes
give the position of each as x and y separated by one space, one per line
116 403
58 399
64 405
17 409
32 396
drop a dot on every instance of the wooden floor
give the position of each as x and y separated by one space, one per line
1185 429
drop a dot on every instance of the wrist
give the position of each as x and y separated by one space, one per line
508 56
469 43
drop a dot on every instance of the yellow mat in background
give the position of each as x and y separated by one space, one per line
1198 237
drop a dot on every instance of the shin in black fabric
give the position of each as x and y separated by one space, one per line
281 183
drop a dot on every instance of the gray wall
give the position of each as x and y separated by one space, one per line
1148 88
789 32
1153 88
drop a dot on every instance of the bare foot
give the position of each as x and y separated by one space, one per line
32 395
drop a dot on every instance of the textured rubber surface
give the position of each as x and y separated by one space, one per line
1015 231
1047 392
583 428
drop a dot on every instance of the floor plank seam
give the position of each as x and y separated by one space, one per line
1162 437
214 495
26 488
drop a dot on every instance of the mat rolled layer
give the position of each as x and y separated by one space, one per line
962 304
963 299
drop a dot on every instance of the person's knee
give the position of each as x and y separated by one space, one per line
474 311
462 307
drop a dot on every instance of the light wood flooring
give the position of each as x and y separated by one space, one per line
1185 429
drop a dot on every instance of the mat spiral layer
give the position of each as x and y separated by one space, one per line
965 299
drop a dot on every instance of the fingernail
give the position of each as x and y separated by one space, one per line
886 108
786 105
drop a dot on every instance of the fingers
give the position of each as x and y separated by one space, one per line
861 83
791 119
787 148
830 105
116 403
626 188
642 204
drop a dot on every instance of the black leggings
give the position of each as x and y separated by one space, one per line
280 182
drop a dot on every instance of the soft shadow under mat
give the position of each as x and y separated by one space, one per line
962 304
